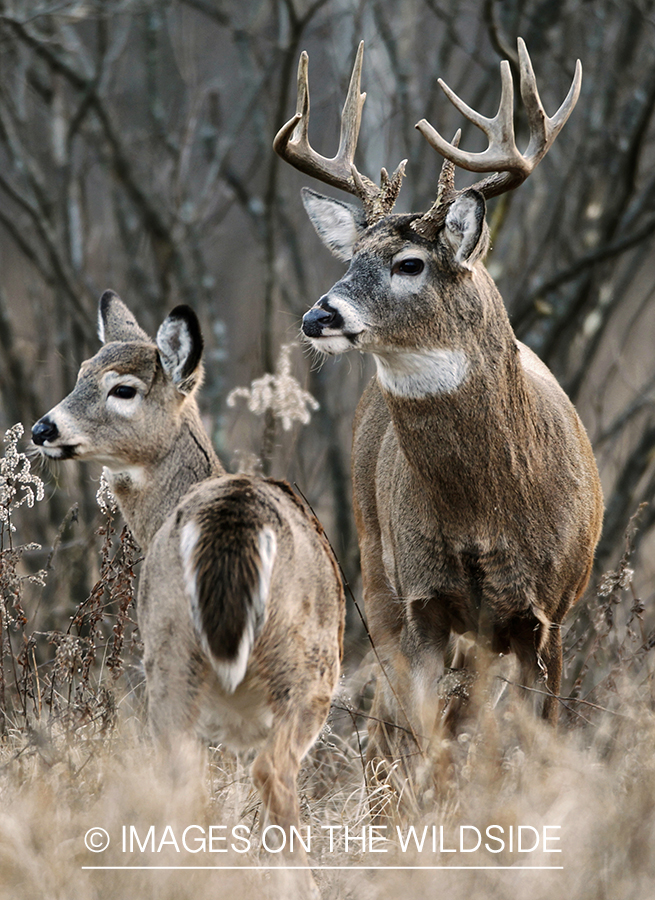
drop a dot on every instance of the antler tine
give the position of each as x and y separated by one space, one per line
301 131
292 141
446 185
351 115
543 129
430 222
509 168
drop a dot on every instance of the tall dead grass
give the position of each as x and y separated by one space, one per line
75 757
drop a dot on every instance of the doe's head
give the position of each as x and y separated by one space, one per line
125 408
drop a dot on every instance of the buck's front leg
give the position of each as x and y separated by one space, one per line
406 711
418 704
389 721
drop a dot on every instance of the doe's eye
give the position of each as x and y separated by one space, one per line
123 391
410 266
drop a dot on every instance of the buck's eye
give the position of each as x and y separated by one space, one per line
123 391
408 267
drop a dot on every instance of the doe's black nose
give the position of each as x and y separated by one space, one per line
319 317
44 430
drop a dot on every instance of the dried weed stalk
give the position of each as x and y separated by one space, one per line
276 397
18 486
41 692
78 695
607 645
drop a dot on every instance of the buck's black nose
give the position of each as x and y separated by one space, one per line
319 317
44 430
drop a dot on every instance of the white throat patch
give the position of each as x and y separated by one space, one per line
417 374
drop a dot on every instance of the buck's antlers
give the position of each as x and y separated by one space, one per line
508 167
292 144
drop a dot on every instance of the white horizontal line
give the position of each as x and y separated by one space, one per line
315 868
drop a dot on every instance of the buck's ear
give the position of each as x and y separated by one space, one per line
465 230
180 344
337 224
116 322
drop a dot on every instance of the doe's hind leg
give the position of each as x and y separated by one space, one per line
275 774
173 713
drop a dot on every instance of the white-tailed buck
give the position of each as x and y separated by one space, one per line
477 497
240 601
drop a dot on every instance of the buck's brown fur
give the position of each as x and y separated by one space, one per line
477 498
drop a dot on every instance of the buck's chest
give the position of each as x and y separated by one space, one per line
428 552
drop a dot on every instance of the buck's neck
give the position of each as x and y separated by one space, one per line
456 411
147 494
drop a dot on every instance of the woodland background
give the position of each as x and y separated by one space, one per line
135 153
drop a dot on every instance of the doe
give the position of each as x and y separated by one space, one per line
477 497
240 602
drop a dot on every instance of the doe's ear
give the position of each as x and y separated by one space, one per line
465 230
180 344
337 224
116 322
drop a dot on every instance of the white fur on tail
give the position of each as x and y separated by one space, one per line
230 672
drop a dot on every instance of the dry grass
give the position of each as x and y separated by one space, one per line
597 784
75 756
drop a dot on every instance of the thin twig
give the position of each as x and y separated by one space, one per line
563 700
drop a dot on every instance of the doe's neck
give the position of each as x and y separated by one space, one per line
148 494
